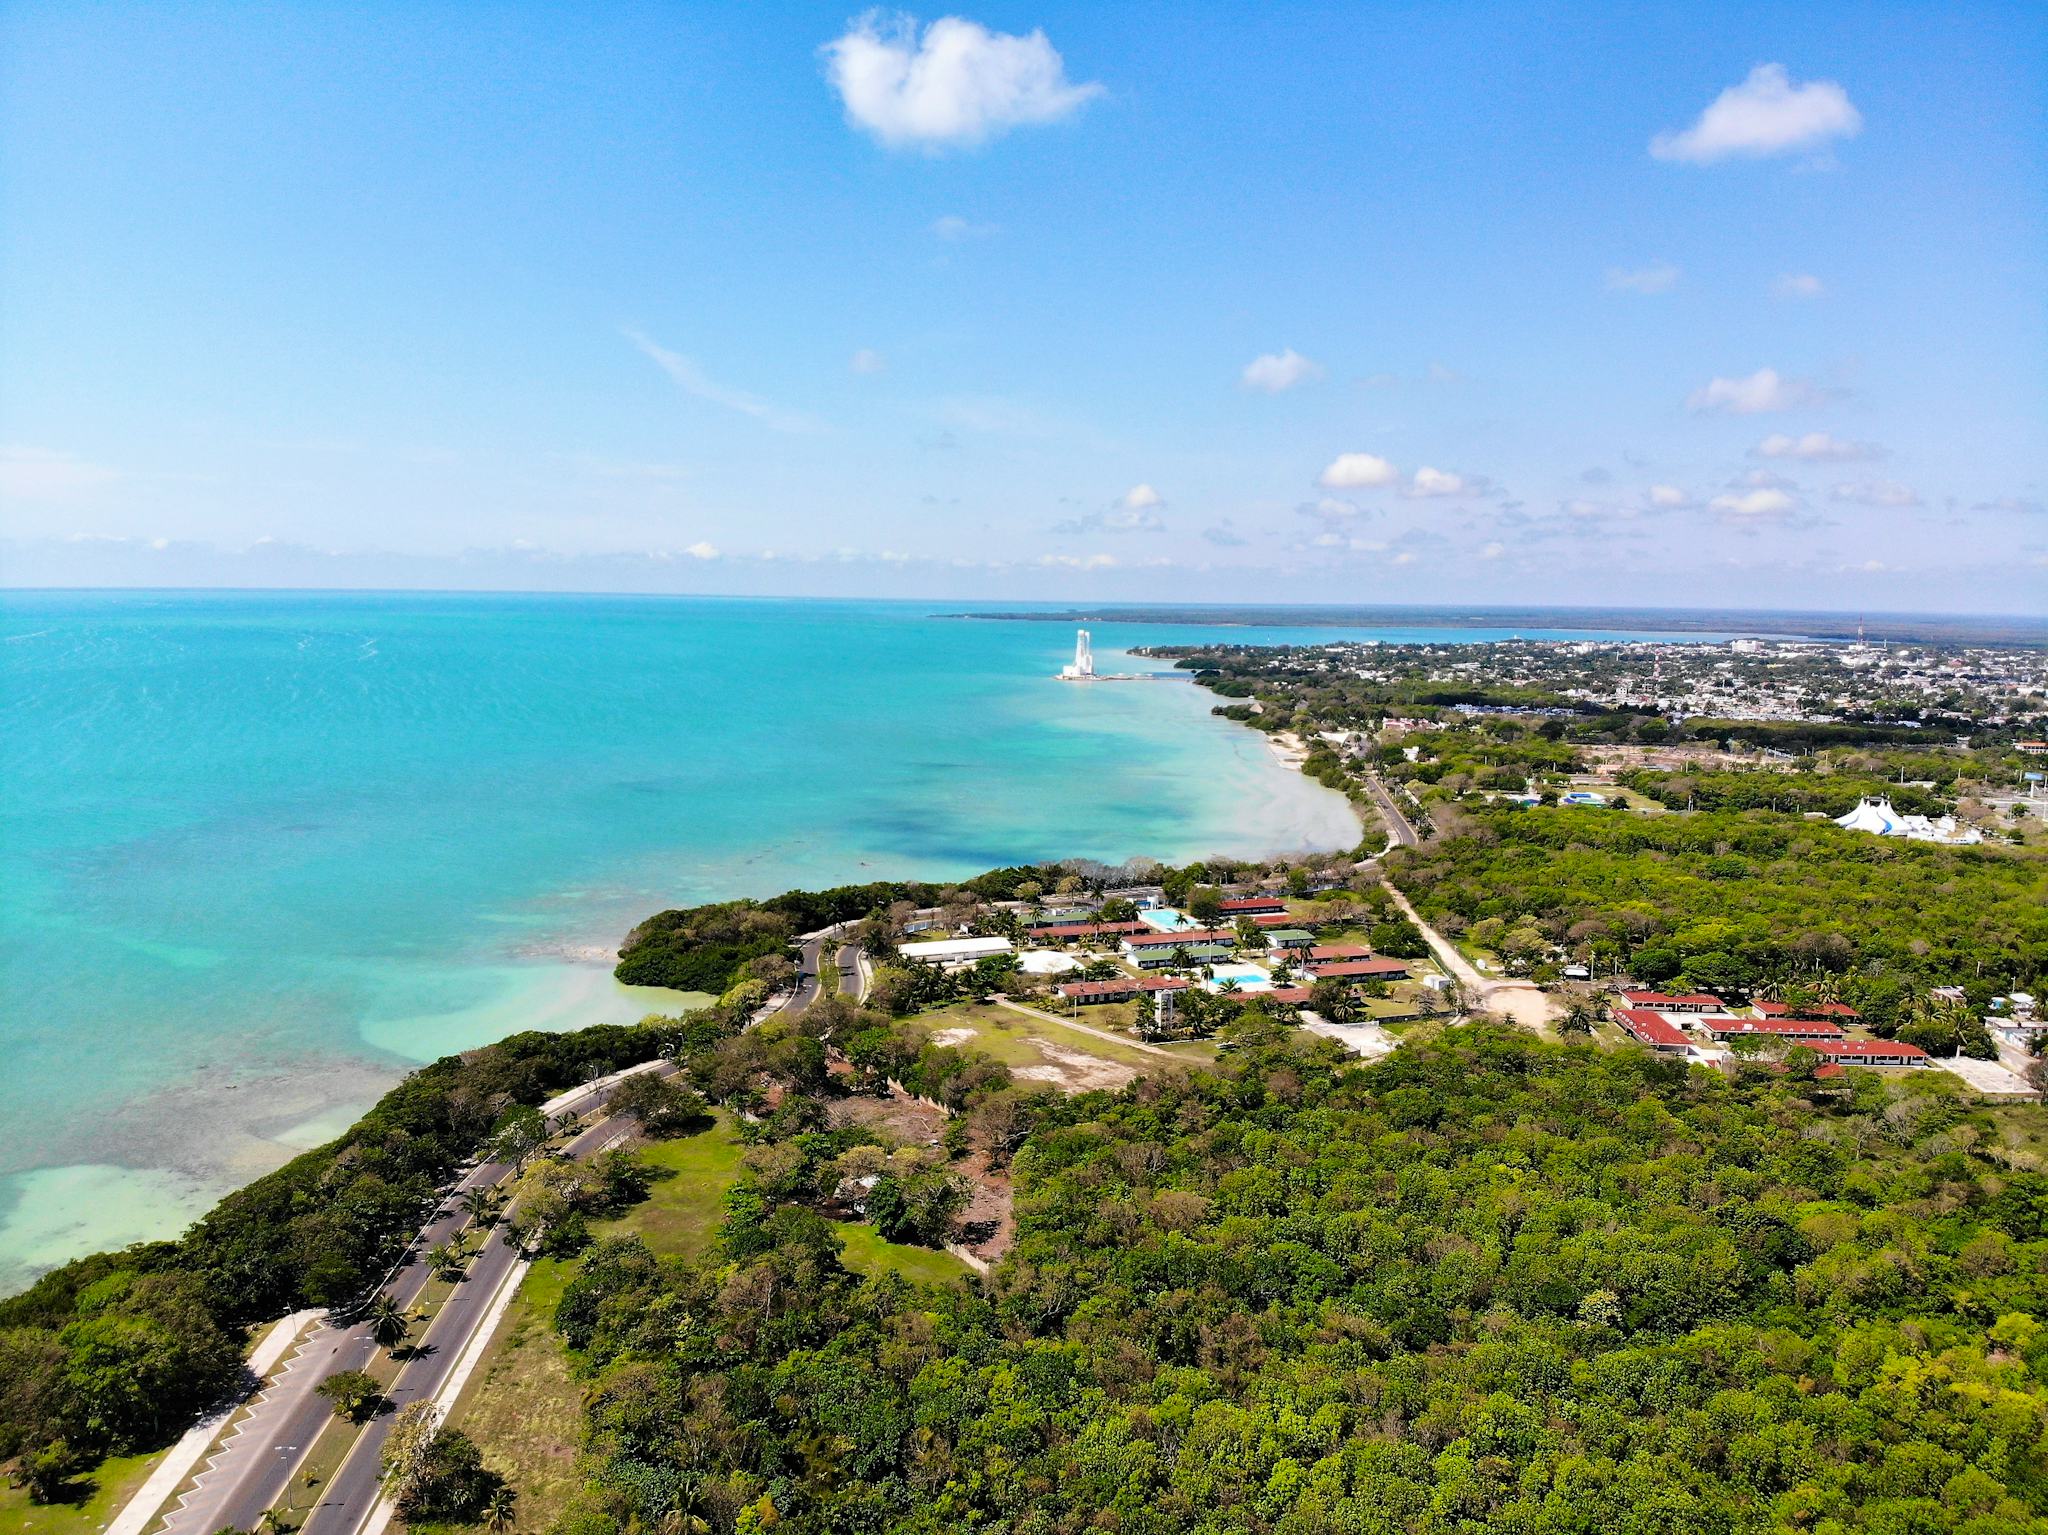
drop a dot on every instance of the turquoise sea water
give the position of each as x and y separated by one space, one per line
260 852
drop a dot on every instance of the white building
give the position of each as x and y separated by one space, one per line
950 953
1083 664
1877 817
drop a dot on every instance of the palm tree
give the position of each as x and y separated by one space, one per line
272 1523
478 1204
388 1320
499 1507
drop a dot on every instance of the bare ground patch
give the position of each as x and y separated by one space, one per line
1076 1071
987 1223
898 1115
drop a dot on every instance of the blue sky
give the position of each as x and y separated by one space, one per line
1700 304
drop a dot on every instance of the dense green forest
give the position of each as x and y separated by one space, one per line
1742 900
704 948
119 1351
1829 794
1486 1284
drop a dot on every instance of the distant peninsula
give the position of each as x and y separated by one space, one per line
1917 628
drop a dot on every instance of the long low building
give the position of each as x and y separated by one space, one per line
1340 951
1087 993
1724 1026
1811 1010
950 952
1151 940
1063 930
1871 1052
1653 1030
1360 970
1253 905
1159 957
1688 1002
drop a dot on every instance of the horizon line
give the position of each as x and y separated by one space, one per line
994 606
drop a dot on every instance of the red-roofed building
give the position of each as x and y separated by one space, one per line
1087 993
1252 905
1690 1002
1872 1052
1148 939
1289 996
1361 970
1088 930
1273 919
1774 1028
1340 951
1647 1028
1811 1010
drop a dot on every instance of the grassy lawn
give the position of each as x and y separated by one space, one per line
681 1213
113 1483
524 1409
1007 1035
867 1253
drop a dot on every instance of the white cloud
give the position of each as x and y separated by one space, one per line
1437 482
1079 561
1331 508
953 228
868 360
1876 493
1764 390
1657 277
1330 538
1765 115
957 84
41 474
693 381
1763 479
1797 285
2019 504
1668 497
1354 471
1277 372
1753 503
1815 447
702 551
1135 511
1493 551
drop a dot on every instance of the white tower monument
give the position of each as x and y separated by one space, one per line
1083 664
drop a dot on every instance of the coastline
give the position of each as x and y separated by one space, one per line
148 1152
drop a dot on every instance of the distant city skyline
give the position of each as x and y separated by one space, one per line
1733 306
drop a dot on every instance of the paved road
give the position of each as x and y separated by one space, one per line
810 959
252 1471
852 979
353 1490
1399 827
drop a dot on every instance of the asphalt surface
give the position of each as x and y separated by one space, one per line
252 1472
850 982
810 959
353 1490
1398 826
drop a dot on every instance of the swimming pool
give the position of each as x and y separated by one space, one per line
1248 978
1164 919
